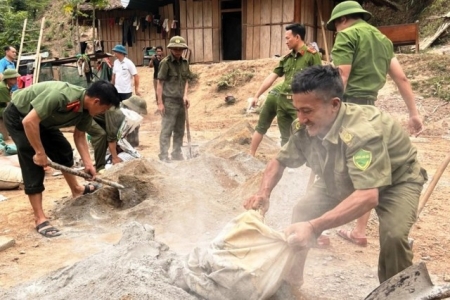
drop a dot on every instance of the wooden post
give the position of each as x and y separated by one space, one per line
21 44
319 8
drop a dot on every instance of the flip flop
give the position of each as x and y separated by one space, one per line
88 190
47 230
348 235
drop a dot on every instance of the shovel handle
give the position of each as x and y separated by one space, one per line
84 175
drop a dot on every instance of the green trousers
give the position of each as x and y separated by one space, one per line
396 211
99 142
286 114
268 111
172 125
277 105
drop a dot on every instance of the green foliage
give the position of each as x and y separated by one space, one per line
69 44
47 23
13 13
65 54
234 78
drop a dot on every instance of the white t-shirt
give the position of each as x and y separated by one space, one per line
124 72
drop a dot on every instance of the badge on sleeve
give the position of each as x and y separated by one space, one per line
362 159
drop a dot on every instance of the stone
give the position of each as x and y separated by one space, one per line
6 242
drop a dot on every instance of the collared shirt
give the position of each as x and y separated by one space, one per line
124 71
6 64
365 148
112 120
294 62
175 73
369 52
58 104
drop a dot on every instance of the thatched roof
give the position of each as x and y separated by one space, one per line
113 4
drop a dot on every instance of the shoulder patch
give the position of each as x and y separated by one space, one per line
296 126
311 49
362 159
346 136
73 106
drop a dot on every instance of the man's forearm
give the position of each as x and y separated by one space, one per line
405 90
351 208
272 174
31 127
79 137
186 87
159 90
34 137
136 83
268 81
112 146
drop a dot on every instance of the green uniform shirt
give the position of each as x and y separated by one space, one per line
58 104
5 97
369 52
365 148
112 119
174 73
294 62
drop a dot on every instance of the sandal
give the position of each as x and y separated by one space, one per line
88 190
348 235
47 230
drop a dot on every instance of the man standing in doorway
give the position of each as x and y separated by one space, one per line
154 63
7 62
124 73
172 90
364 57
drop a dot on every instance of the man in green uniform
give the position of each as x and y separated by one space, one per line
33 119
364 160
300 57
105 128
365 56
171 91
9 80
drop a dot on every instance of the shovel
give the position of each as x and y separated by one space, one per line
85 175
189 151
411 283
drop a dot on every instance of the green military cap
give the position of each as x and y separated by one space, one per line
344 9
177 42
137 104
10 73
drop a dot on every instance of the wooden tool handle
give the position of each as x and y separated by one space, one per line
423 200
84 175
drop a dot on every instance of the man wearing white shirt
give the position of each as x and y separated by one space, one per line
124 73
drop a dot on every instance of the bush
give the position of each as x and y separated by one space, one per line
234 78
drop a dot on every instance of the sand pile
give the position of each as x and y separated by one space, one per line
137 267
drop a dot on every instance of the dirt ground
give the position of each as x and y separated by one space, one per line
190 201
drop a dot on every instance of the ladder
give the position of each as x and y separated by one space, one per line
37 60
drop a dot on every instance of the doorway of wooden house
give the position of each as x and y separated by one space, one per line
231 29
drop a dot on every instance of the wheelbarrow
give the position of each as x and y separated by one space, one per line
413 283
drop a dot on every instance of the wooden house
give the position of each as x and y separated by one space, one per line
215 30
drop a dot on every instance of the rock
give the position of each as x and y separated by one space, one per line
6 242
447 277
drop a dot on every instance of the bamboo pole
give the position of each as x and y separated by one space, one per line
21 44
319 8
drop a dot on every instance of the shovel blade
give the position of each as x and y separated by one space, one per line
412 283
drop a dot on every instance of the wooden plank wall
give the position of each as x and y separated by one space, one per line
310 18
111 33
199 25
263 28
